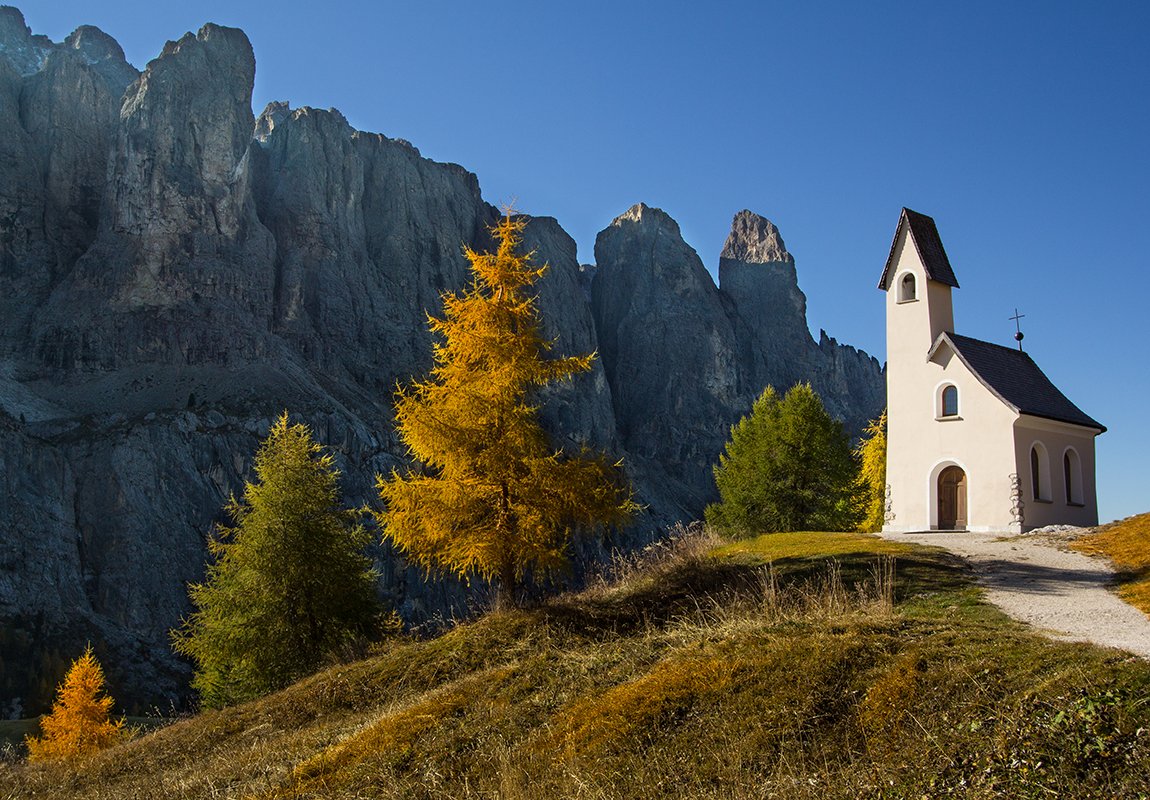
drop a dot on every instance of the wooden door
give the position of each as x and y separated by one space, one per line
952 499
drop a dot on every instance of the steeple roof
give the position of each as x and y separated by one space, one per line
924 234
1015 379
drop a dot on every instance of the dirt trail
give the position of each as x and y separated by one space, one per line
1063 594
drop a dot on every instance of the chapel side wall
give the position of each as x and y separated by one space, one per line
1056 437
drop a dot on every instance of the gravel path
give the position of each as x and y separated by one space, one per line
1062 594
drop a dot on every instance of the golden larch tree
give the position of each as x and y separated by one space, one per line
871 482
80 722
490 495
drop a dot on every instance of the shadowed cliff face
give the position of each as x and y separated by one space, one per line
367 235
179 273
175 272
686 359
758 274
59 108
670 348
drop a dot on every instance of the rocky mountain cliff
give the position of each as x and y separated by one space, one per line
174 272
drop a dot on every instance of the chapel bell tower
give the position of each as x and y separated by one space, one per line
917 281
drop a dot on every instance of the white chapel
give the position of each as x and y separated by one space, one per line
978 438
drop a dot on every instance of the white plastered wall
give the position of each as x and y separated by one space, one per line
1056 438
980 439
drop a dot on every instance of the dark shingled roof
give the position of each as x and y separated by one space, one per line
1016 379
924 234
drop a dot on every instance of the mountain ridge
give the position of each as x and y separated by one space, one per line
176 270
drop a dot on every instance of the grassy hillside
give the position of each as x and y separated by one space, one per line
759 669
1127 544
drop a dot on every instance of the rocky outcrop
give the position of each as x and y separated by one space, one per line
670 348
686 359
59 109
578 410
758 274
178 274
367 235
22 51
174 273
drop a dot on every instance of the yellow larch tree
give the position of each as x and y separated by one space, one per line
80 722
871 482
490 496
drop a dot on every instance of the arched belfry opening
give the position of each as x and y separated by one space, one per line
952 499
906 288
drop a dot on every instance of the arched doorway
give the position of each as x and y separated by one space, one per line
952 499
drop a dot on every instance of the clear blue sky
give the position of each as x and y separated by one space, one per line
1023 128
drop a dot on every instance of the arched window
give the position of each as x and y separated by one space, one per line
1039 473
1072 474
948 407
906 288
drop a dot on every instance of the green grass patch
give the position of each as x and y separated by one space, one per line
806 544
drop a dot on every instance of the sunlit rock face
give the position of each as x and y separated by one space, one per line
175 272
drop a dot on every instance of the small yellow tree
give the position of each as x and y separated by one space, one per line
79 723
492 496
871 481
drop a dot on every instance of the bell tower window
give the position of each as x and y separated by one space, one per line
1072 475
906 288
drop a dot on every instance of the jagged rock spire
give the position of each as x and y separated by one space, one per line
755 240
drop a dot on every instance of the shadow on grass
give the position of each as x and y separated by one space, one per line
685 587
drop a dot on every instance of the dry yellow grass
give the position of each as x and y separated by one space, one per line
1127 545
692 678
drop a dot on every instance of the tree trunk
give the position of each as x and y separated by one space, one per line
506 598
508 585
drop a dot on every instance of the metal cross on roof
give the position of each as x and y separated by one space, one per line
1018 335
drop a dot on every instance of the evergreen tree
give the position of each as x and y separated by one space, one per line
289 583
492 497
871 482
79 723
787 467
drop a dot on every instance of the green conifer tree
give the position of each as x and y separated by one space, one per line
787 467
290 583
